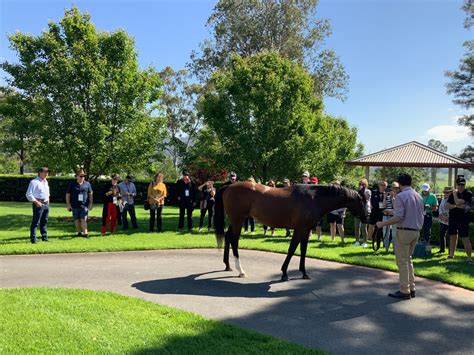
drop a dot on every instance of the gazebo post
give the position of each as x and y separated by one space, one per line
450 177
455 173
367 170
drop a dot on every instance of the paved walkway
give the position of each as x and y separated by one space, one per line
342 309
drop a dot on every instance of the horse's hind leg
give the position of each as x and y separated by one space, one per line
295 240
235 247
228 237
304 247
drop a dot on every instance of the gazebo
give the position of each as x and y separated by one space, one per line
412 154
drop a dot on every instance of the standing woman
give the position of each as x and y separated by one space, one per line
270 183
390 231
156 195
111 201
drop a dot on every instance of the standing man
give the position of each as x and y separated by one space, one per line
408 216
186 191
38 194
430 203
459 204
79 201
128 192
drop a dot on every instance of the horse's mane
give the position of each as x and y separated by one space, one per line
327 190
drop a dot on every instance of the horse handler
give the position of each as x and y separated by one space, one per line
408 216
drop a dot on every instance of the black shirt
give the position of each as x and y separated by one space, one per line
457 212
375 199
110 198
182 187
76 190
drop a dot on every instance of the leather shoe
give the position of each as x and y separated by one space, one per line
412 294
400 295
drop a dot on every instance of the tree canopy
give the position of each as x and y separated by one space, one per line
94 106
264 112
290 28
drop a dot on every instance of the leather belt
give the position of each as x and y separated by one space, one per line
42 201
407 229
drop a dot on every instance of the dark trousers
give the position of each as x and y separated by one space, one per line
130 208
188 208
210 214
427 223
443 236
40 217
155 214
249 221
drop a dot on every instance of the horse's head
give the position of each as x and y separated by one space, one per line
358 206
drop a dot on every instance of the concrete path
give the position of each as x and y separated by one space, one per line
343 309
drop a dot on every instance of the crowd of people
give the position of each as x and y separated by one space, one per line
119 204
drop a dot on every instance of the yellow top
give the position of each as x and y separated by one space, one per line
157 191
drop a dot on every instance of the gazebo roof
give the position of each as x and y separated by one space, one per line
412 154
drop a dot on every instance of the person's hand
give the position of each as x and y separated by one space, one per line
68 207
38 203
379 224
90 207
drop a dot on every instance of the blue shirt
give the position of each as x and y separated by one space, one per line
76 190
38 189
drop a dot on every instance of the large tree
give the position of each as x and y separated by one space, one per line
177 104
266 116
462 80
18 126
95 105
290 28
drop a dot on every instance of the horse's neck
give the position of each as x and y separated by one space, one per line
331 204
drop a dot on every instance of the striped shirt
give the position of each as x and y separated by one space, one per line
409 208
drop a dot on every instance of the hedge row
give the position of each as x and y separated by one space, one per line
13 188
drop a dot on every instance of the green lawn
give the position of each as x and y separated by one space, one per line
71 321
14 239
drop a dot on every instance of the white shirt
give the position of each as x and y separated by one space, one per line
38 189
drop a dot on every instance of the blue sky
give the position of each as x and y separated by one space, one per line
395 52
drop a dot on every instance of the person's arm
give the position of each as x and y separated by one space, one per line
384 203
68 201
90 198
435 205
29 194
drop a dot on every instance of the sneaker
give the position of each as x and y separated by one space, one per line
252 233
246 232
200 230
364 245
356 244
79 234
319 240
273 233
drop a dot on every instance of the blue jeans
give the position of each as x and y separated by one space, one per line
40 216
130 208
443 237
427 223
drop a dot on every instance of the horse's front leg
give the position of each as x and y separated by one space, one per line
295 240
304 247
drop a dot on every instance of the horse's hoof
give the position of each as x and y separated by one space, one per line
228 268
306 277
243 275
284 278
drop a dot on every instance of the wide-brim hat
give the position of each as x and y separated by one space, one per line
448 189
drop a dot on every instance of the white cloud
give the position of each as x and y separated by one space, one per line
451 133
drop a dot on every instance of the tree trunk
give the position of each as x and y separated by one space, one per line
22 162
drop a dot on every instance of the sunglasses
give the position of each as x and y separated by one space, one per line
82 176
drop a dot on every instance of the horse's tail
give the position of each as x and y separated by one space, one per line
219 216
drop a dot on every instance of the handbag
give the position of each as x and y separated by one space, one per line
146 205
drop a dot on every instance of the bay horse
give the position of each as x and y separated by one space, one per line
298 207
